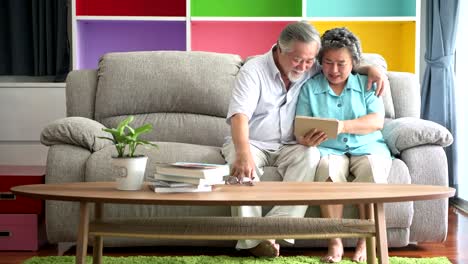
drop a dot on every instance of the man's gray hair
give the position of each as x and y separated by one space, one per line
338 38
297 31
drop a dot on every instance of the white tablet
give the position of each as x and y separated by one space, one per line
304 124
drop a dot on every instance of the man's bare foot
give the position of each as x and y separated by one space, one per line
266 248
360 255
335 251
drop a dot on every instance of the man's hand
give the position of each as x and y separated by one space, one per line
377 76
312 138
244 166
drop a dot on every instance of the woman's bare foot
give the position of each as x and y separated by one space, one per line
266 248
360 255
335 251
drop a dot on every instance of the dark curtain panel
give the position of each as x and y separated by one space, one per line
33 38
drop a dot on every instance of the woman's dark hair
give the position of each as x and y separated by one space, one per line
338 38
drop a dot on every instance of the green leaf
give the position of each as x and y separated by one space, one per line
113 131
124 135
128 139
110 130
143 129
132 131
123 124
145 142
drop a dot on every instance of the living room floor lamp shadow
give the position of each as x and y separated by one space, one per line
128 167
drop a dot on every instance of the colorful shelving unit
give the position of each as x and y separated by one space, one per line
244 27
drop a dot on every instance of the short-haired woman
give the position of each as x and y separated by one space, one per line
359 153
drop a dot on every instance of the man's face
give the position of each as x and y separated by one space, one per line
299 60
337 64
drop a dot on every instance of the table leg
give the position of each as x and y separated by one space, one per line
83 228
381 233
98 240
370 241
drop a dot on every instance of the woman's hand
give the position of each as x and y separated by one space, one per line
312 138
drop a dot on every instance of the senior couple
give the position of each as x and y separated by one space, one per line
304 74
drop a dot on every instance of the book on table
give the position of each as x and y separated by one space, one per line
303 124
172 187
193 169
174 184
217 179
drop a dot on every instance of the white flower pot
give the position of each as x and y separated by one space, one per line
129 172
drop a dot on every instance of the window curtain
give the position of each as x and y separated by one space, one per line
438 87
33 38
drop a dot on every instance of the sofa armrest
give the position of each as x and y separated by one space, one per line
407 132
78 131
427 165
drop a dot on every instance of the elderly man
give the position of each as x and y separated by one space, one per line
261 114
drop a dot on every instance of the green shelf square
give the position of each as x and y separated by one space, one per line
246 8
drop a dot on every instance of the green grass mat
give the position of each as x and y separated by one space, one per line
222 260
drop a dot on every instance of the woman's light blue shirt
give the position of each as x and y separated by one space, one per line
318 99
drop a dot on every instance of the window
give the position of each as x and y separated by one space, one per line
461 69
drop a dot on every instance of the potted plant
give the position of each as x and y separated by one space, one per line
130 167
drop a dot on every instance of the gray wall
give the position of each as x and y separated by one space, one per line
25 108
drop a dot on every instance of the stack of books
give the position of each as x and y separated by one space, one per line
188 177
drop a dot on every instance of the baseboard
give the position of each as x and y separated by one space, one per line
460 204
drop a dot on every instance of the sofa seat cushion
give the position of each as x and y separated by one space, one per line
99 168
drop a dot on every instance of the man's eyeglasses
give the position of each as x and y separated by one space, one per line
298 60
233 180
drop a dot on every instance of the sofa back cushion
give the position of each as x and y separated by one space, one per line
403 98
377 60
185 95
405 93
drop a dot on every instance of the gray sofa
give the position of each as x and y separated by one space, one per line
185 96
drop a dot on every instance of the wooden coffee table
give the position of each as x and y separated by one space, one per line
233 228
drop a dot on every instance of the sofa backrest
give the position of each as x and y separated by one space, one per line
80 93
403 98
185 95
405 93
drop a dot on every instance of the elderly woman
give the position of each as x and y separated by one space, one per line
359 153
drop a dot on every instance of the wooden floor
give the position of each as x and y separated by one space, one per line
455 248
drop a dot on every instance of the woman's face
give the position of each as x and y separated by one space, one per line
337 64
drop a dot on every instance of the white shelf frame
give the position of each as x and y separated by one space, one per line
131 18
188 19
188 26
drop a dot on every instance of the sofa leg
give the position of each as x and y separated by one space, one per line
63 247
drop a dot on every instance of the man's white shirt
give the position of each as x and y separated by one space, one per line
260 94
